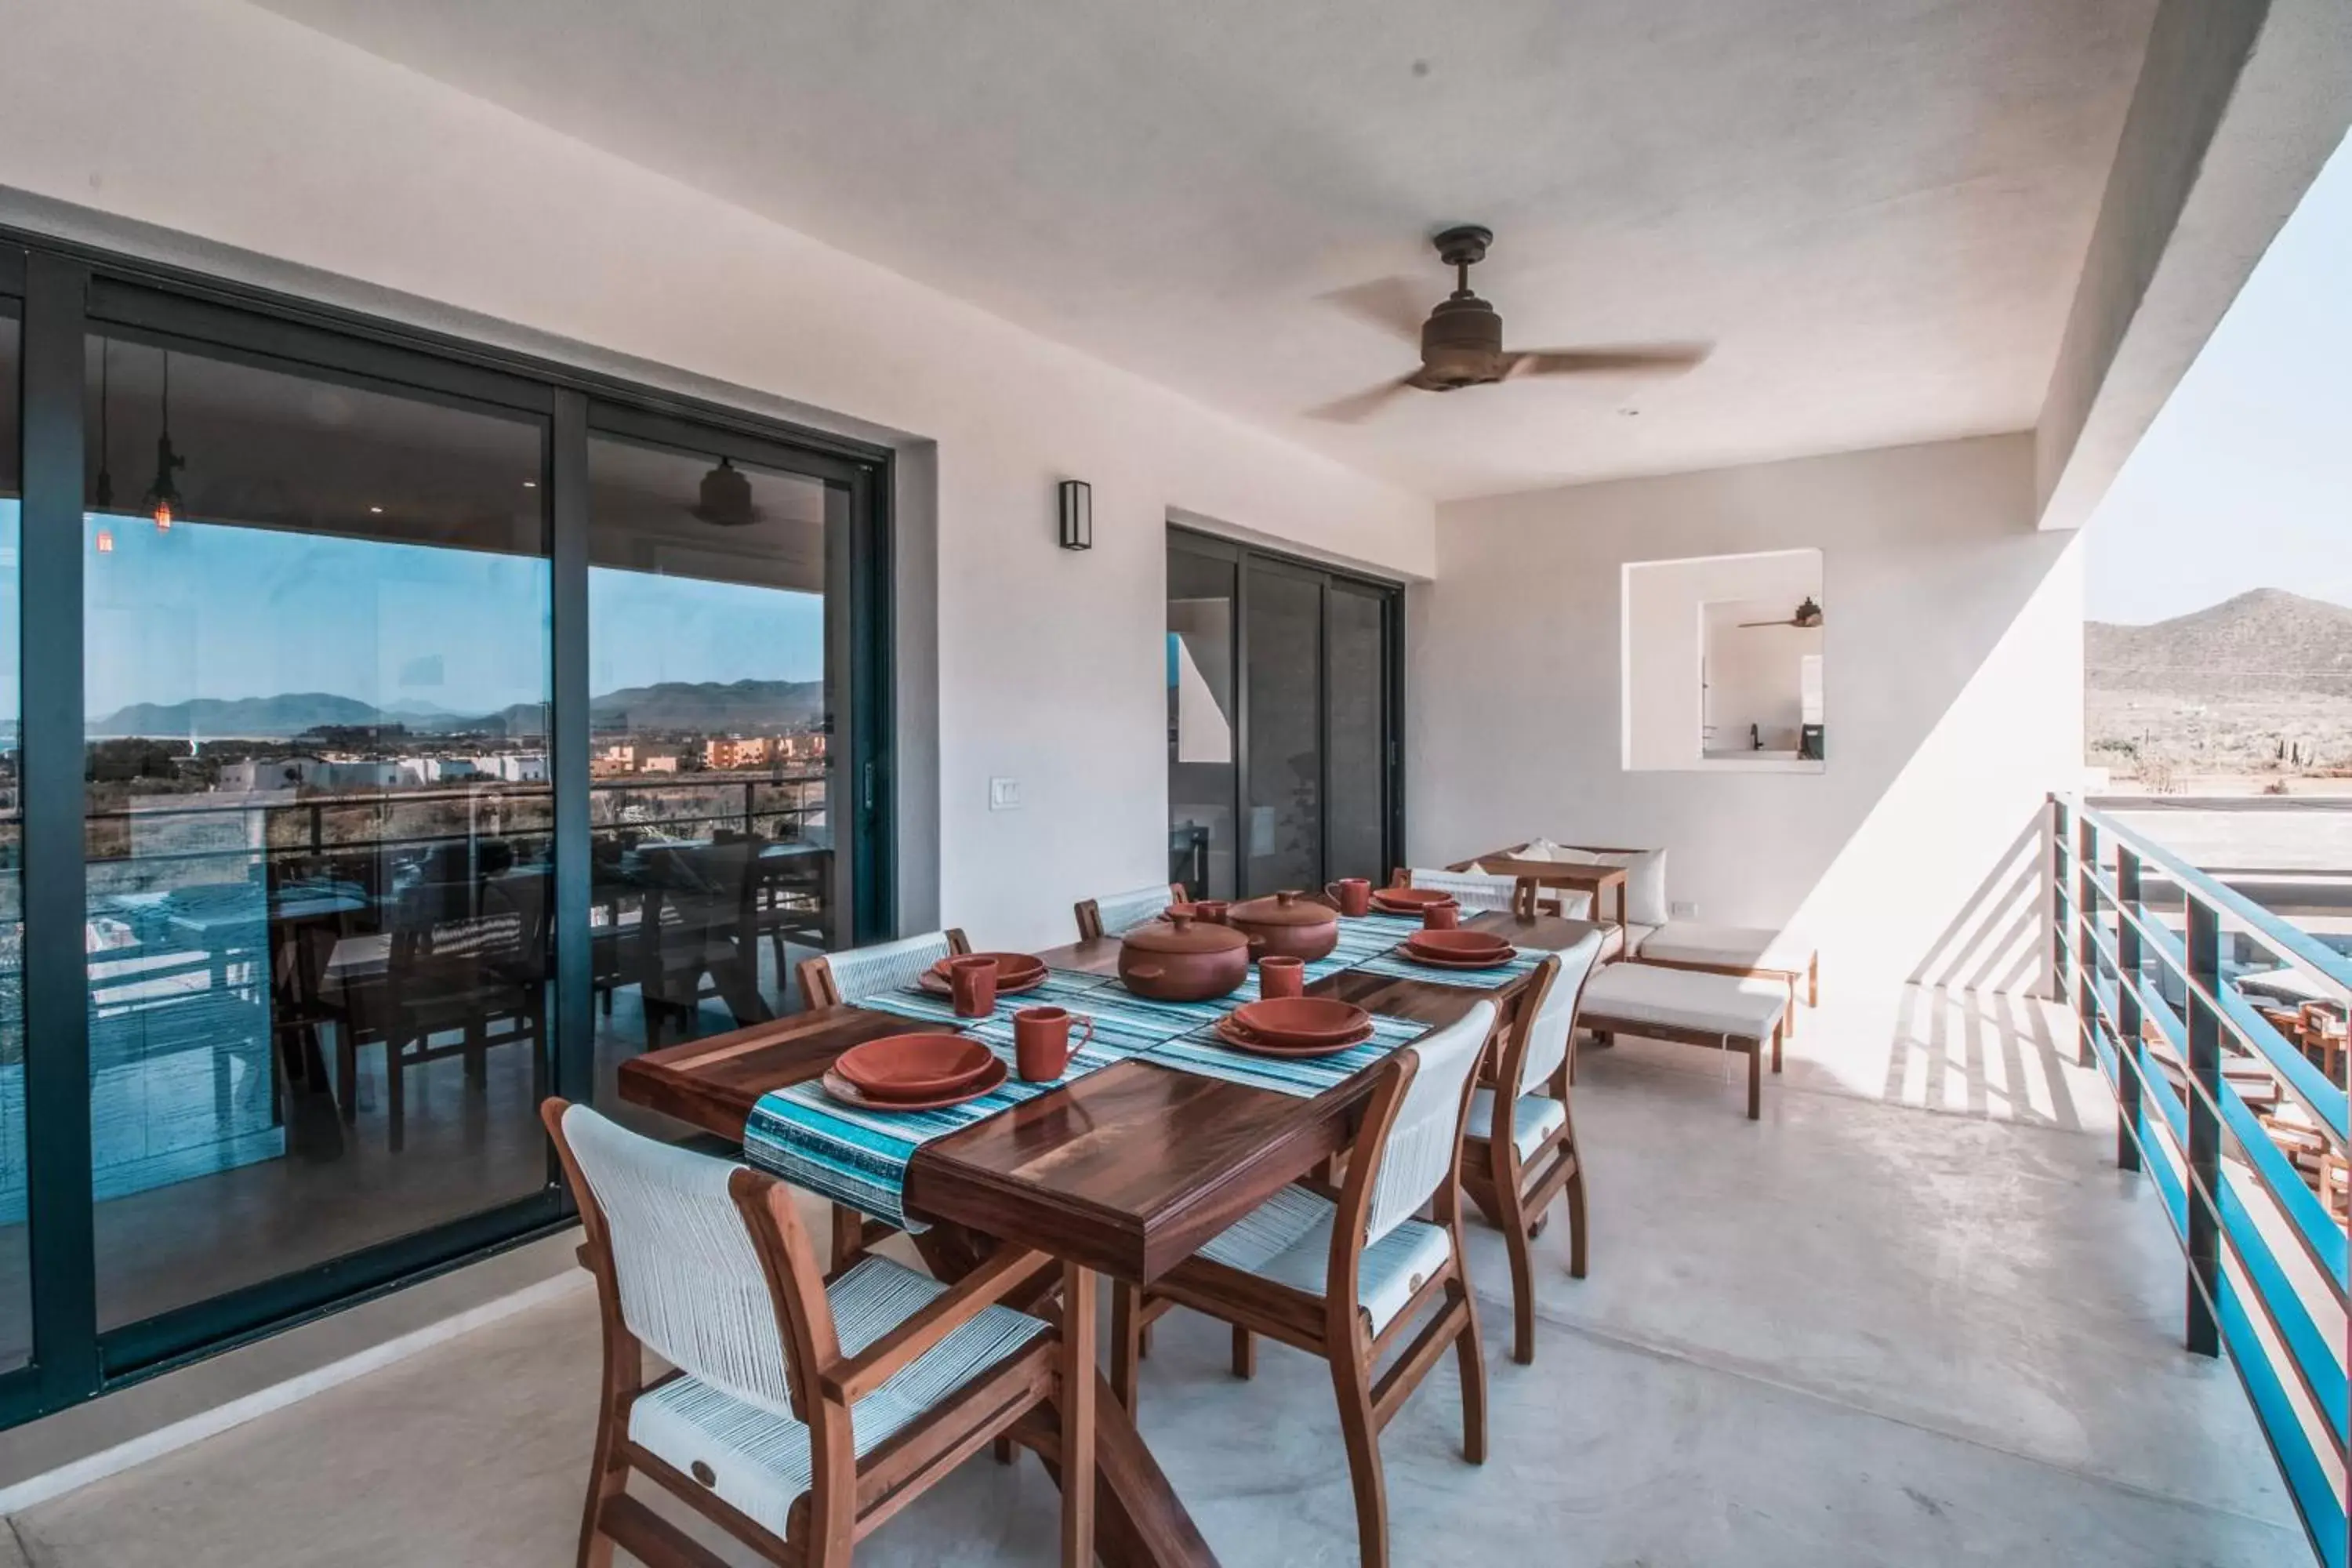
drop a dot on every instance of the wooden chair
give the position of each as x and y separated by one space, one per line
1340 1275
800 1413
1479 893
833 979
1520 1147
1116 914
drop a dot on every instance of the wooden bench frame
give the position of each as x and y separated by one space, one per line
1604 1025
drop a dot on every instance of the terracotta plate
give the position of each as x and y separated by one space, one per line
1458 944
915 1067
1301 1020
1492 961
1014 971
1410 901
848 1093
1241 1038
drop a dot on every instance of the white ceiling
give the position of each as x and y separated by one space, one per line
1874 209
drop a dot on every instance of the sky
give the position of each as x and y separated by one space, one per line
209 610
2244 481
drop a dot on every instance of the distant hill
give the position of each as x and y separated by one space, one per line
748 706
2266 641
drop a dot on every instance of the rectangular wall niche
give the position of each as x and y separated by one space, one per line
1722 664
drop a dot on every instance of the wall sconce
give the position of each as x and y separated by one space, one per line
1078 515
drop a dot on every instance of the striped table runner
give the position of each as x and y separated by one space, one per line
1201 1052
1396 966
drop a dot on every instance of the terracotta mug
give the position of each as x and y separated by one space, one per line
1211 909
972 980
1281 976
1041 1043
1352 894
1441 917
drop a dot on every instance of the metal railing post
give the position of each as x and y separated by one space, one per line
2204 1123
2128 1021
2086 953
2061 964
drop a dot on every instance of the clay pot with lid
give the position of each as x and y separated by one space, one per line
1290 923
1181 959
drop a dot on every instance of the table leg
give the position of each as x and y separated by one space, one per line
1078 1416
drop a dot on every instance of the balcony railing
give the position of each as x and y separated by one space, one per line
2216 1104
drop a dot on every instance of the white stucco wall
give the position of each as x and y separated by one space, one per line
232 127
1952 648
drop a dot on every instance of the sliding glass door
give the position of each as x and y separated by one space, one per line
392 734
1283 682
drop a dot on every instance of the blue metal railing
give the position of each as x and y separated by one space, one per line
2267 1256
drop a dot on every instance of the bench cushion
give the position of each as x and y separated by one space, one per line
1628 995
1623 942
1727 947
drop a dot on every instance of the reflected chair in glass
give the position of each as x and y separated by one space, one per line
1520 1149
1480 894
835 979
1116 914
1340 1274
799 1413
462 962
697 935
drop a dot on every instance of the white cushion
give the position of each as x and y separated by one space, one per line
1543 849
1534 1117
1645 884
1727 947
1627 995
1287 1239
761 1459
1623 942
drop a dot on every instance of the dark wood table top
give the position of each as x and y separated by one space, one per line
1127 1171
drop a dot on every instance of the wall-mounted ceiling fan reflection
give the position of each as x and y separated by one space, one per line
1461 340
1807 615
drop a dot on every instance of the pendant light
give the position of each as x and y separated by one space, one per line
726 496
164 496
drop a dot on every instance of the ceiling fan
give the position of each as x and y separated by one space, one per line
1807 615
1461 340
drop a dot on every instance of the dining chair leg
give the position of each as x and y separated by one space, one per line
1519 1236
608 1476
1244 1353
1003 1451
848 1236
1471 1358
1125 1343
1359 1430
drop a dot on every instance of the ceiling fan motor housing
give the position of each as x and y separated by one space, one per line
1461 344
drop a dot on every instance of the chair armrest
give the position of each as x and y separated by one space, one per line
852 1378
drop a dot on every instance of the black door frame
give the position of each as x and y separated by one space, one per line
1245 558
62 291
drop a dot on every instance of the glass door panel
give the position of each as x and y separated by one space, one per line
317 666
712 602
1282 655
1200 592
16 1271
1356 687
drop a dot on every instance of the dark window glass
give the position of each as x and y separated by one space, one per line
1201 724
317 677
1284 829
711 736
1357 686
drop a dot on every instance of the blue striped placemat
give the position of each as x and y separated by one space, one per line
859 1157
1201 1052
1396 966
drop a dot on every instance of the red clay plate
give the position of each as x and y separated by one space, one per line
1458 944
915 1067
848 1093
1410 901
1300 1020
1241 1038
1014 971
1492 961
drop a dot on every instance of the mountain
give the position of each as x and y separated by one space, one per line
745 707
711 708
288 713
2264 641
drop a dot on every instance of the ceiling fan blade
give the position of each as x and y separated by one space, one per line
1361 405
1397 305
1744 625
1649 359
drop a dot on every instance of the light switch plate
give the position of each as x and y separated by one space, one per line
1683 909
1004 795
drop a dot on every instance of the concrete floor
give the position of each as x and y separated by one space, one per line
1860 1332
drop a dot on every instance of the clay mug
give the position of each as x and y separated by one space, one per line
972 979
1211 909
1441 917
1281 976
1352 894
1041 1043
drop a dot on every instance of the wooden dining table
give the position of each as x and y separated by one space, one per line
1125 1171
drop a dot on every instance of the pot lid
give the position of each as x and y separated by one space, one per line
1289 908
1183 934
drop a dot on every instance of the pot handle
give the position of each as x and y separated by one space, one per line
1257 944
1146 971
